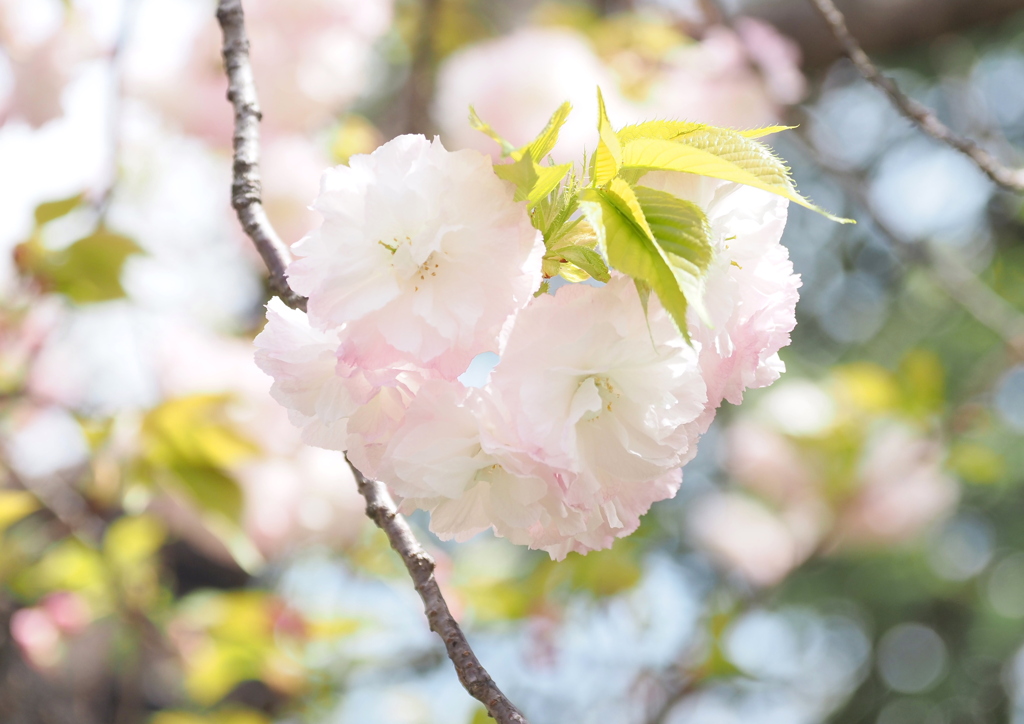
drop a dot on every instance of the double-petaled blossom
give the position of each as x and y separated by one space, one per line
337 406
424 261
423 257
584 424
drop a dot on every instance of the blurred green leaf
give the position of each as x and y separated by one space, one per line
130 540
15 505
224 716
68 565
235 641
50 210
195 429
601 573
976 463
193 440
87 271
922 381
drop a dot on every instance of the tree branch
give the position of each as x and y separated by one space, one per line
246 187
960 284
245 197
381 510
922 116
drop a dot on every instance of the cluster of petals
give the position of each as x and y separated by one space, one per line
312 58
423 261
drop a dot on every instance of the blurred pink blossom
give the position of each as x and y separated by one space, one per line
44 45
294 495
895 490
311 59
751 539
37 636
739 79
902 490
516 82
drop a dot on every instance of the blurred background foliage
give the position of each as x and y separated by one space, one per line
846 548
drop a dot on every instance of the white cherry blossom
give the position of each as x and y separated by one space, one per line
422 255
750 291
336 405
609 399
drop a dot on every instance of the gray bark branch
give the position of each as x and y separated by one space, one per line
245 197
246 188
920 115
380 508
882 27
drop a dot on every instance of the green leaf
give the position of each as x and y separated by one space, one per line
542 145
665 130
480 125
673 130
680 227
643 289
587 260
51 210
718 153
195 429
533 182
682 230
191 442
608 157
87 271
15 505
539 147
553 215
577 233
622 229
133 539
213 490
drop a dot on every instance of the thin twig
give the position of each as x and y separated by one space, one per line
960 284
379 506
921 115
688 686
246 186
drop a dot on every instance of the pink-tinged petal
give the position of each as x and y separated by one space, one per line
423 256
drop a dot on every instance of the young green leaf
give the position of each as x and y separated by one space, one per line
553 215
673 130
587 260
718 153
542 145
87 271
608 157
533 182
682 230
539 147
679 226
615 214
50 210
480 125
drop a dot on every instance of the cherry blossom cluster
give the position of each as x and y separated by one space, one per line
425 260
